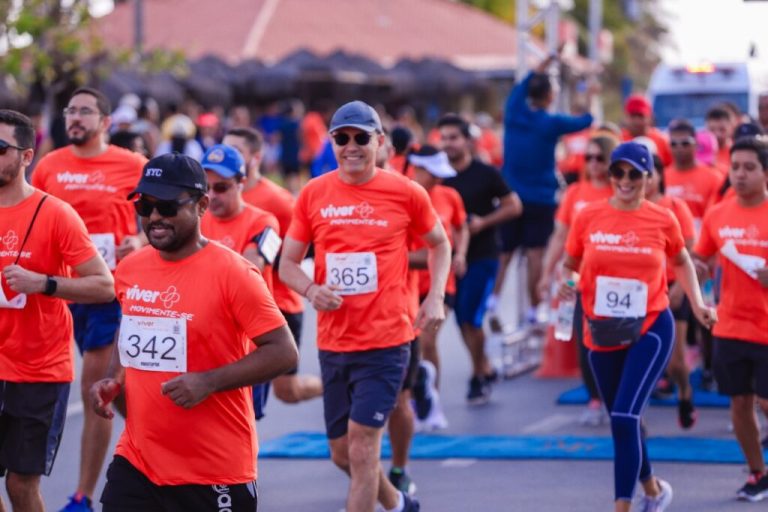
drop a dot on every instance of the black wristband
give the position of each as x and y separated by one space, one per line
50 286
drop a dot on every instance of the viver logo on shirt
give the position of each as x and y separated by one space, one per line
169 297
352 214
618 242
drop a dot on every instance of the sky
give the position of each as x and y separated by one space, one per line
715 30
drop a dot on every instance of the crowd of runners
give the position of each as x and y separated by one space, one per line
181 280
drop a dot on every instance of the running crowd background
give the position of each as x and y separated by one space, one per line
521 181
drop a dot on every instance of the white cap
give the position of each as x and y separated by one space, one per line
124 114
437 165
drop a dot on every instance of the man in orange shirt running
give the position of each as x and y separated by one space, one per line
639 123
263 193
359 218
41 240
94 177
192 310
736 231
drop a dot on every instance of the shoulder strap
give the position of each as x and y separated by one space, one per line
29 229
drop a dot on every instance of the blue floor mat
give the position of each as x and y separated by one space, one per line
701 398
314 445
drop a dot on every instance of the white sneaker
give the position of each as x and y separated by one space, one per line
593 415
657 503
436 419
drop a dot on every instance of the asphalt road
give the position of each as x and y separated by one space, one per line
525 405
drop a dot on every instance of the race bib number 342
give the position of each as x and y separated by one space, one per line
616 297
153 344
352 273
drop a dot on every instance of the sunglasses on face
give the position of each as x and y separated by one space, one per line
681 143
5 146
361 139
219 187
618 174
597 158
164 208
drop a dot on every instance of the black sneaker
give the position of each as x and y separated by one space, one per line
402 482
755 489
492 377
686 414
422 390
410 504
479 391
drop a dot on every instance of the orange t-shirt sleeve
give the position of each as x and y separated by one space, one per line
251 303
706 246
300 228
674 237
685 218
574 244
75 245
459 216
563 215
423 217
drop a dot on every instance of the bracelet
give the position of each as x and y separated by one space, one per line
310 285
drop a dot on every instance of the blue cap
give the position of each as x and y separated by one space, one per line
356 114
635 154
225 161
167 176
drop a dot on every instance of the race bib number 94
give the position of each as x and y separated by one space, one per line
616 297
351 273
153 344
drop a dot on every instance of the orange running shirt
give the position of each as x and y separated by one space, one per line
743 309
238 233
278 201
96 187
698 187
449 208
375 217
225 303
576 197
626 244
36 342
687 227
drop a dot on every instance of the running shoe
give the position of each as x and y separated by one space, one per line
402 482
686 414
492 377
78 503
424 390
657 503
755 489
436 419
594 414
410 504
479 391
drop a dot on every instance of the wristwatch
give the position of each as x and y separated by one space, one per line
50 286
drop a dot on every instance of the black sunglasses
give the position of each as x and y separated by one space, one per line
219 187
164 208
5 146
618 173
684 143
361 139
596 158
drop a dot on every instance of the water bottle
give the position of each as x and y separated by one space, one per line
564 320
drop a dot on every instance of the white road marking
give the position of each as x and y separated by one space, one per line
458 463
549 424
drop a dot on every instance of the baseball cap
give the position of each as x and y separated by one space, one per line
124 114
356 114
224 160
434 162
207 120
635 154
747 130
637 104
167 176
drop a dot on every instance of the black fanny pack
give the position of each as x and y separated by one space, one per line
615 332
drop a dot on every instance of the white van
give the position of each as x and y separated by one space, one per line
688 92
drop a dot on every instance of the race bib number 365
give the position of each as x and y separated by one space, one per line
352 273
616 297
153 344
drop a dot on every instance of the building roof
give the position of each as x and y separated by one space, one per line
268 30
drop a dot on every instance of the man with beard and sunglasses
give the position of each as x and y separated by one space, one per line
94 177
192 312
42 240
359 218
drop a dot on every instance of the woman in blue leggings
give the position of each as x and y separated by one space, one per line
619 247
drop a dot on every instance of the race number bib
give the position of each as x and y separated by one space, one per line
153 344
620 298
105 243
351 273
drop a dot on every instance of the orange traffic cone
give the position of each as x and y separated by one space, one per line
558 358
